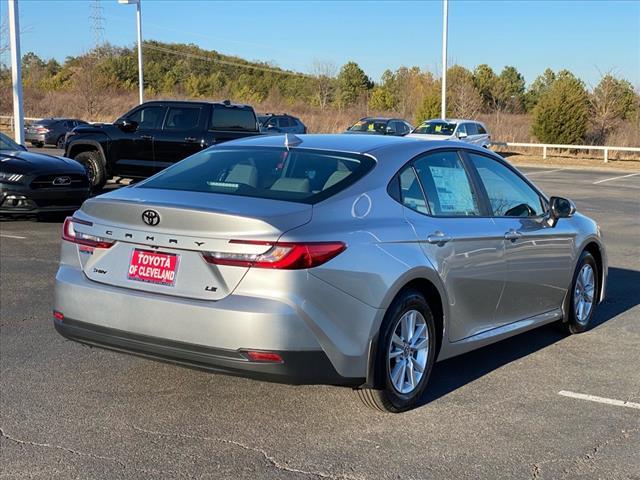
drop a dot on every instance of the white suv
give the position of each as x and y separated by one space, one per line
469 131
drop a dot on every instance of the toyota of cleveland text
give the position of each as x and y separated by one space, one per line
349 260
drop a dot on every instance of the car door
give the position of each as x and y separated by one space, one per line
472 133
181 135
135 155
458 239
539 257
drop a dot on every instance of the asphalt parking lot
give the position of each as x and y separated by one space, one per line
70 411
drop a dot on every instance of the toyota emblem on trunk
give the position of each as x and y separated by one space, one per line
151 217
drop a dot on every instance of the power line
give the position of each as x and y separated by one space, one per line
225 62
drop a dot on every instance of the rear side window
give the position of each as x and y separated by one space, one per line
232 118
447 185
481 130
411 192
182 118
295 175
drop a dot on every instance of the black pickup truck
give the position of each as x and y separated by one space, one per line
156 134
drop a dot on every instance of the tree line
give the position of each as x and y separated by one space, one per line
562 108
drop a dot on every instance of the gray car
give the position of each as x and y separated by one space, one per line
468 131
50 131
355 260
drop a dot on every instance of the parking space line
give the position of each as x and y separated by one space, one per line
616 178
542 173
593 398
2 235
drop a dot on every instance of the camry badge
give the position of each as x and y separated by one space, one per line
151 217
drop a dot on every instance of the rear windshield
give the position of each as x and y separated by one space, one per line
296 175
233 118
436 128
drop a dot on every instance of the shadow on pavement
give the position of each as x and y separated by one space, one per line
623 293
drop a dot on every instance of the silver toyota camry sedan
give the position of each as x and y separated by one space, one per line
336 259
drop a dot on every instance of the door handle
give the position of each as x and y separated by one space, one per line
438 238
512 235
190 139
146 137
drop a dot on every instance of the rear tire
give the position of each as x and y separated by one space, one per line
60 142
405 355
582 296
92 162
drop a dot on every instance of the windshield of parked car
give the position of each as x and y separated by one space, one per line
7 144
369 125
295 175
436 128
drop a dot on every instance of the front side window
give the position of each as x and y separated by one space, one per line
472 129
509 195
148 117
264 172
447 185
182 118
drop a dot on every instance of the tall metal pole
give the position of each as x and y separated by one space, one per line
16 71
140 74
443 102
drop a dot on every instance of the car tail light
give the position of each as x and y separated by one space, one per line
269 357
42 130
281 255
70 235
58 315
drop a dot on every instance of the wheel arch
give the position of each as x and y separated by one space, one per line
429 285
595 249
86 146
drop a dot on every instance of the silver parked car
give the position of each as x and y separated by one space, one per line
468 131
356 260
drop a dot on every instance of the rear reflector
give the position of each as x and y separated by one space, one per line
58 315
281 255
264 357
70 235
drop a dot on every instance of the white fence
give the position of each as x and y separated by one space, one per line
545 146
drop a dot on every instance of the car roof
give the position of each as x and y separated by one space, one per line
339 142
224 103
453 120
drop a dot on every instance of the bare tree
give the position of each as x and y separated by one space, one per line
324 73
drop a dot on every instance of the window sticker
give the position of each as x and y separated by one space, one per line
453 189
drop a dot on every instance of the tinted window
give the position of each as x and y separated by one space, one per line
472 129
481 129
276 173
369 125
285 122
182 118
411 192
7 144
436 128
462 128
509 195
148 117
233 118
446 185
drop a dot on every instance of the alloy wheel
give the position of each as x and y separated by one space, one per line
583 293
408 352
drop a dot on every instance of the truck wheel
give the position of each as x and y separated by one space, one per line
60 142
92 163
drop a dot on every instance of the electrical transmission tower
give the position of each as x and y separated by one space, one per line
97 20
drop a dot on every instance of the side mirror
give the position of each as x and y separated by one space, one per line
560 207
128 126
461 134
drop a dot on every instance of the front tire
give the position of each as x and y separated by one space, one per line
92 163
583 295
405 354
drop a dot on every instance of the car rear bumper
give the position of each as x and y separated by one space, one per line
35 137
200 333
297 367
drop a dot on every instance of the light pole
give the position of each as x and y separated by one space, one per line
16 71
139 25
443 101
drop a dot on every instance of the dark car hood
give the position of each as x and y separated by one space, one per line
28 162
92 128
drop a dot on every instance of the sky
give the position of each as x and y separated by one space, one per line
590 38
